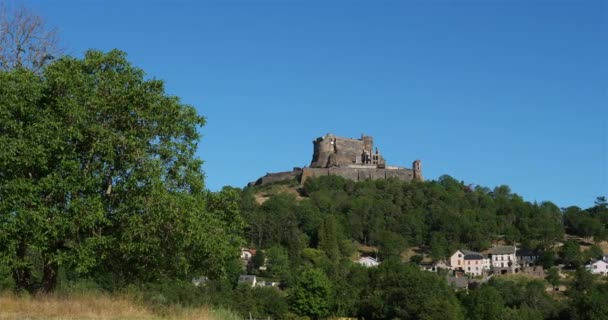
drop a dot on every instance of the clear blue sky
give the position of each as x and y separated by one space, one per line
489 92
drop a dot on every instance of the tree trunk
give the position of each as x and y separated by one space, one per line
22 275
49 277
23 278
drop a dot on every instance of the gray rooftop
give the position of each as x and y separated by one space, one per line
246 278
527 253
458 282
502 250
472 255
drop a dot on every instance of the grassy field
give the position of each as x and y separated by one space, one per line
98 306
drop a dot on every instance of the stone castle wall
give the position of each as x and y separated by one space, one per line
348 158
296 173
359 174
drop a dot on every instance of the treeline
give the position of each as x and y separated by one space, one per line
394 290
589 223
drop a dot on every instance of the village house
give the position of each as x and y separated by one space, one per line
471 262
598 267
434 266
268 283
504 259
247 254
526 257
247 279
368 262
457 259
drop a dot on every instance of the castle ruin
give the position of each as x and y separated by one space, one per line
353 159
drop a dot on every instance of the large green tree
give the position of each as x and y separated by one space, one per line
402 291
312 294
483 303
570 254
98 173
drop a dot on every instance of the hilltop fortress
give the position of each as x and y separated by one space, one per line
353 159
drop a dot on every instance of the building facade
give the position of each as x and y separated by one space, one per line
504 259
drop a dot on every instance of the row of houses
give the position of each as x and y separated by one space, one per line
506 260
499 260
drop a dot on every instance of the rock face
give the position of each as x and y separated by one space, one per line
352 159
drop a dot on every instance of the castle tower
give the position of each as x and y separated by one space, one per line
368 143
323 147
417 168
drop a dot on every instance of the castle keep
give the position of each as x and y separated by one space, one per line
332 151
354 159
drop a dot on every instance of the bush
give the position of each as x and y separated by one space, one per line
259 303
6 280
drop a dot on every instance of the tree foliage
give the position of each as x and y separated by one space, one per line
570 254
258 303
403 291
484 303
312 294
589 223
553 277
99 174
442 215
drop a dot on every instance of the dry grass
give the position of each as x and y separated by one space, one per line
365 249
93 307
264 195
604 246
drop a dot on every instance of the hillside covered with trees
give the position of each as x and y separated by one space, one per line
324 228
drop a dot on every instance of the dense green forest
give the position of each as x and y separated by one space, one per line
100 189
442 215
322 229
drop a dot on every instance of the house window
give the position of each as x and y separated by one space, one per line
459 255
594 267
469 268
